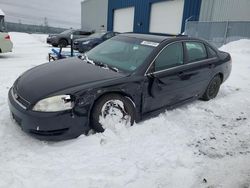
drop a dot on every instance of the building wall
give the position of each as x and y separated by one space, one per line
94 14
142 12
225 10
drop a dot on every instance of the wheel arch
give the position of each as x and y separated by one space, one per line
221 76
122 93
63 38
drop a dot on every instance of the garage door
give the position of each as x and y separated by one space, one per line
166 16
124 19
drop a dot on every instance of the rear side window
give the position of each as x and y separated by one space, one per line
196 51
171 56
76 33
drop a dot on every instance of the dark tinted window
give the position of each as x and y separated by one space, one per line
84 33
171 56
108 35
196 51
76 33
211 52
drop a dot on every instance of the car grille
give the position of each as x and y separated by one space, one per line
49 133
20 100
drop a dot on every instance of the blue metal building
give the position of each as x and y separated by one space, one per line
143 16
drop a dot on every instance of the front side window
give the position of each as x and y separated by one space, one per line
171 56
196 51
211 52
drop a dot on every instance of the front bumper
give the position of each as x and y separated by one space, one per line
48 126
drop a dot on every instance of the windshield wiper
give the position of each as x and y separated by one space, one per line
106 66
86 59
100 64
97 63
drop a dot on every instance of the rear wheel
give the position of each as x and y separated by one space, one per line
115 109
212 89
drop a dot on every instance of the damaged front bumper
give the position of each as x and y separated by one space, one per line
52 126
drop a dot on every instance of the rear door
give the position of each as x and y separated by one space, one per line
199 66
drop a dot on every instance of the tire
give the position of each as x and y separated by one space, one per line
54 45
212 88
108 103
63 43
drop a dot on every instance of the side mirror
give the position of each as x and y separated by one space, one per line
151 75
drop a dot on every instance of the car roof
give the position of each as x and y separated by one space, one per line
152 37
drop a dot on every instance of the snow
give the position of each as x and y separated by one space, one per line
202 144
1 13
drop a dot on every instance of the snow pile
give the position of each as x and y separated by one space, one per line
202 144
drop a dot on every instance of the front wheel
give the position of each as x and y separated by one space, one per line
212 89
113 108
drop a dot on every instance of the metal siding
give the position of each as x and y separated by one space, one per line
90 19
225 10
142 12
191 11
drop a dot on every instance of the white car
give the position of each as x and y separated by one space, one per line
5 43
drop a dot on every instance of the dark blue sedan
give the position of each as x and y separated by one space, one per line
86 44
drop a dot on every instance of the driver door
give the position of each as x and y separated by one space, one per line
166 81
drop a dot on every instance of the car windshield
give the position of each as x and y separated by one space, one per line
96 35
67 32
123 53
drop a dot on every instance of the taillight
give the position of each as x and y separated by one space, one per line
7 37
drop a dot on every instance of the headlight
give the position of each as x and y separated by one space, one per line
86 42
54 104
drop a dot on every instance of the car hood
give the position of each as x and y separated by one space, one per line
50 78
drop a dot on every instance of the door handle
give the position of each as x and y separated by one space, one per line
181 74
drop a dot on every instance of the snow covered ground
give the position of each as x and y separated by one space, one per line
202 144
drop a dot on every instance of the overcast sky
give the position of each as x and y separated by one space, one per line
60 13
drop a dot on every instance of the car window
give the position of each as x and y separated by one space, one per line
196 51
76 33
171 56
84 33
108 35
96 35
211 52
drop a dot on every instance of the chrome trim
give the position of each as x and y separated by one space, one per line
146 73
14 98
172 68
